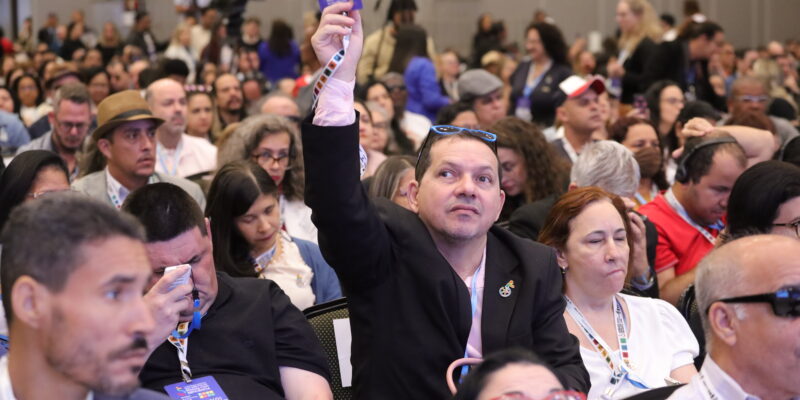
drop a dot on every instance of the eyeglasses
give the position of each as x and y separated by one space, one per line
69 126
793 225
746 98
445 130
557 395
266 156
785 302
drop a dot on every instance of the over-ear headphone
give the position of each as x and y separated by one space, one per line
681 174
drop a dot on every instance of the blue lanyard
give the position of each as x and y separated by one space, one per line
529 88
196 318
473 301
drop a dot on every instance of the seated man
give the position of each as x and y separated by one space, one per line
416 279
252 341
747 295
610 166
178 154
689 216
124 157
579 114
73 274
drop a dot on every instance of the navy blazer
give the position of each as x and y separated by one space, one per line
410 312
544 96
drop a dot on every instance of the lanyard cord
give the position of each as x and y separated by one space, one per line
473 302
673 202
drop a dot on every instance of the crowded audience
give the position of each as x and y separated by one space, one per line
532 216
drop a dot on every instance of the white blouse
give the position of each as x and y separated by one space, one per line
659 341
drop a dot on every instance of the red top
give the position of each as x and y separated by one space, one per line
680 245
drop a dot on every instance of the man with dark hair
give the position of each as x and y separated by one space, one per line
120 78
71 119
229 100
690 215
201 32
143 38
685 61
437 283
276 352
73 274
125 141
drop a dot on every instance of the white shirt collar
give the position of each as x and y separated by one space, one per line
6 391
720 383
115 188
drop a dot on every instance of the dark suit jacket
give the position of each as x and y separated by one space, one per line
635 66
543 97
528 221
137 39
409 311
671 61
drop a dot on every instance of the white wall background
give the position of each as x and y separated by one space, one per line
453 22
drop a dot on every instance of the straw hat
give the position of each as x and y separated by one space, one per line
120 108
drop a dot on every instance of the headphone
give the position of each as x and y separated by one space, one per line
782 152
682 174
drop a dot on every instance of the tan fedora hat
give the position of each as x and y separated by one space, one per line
120 108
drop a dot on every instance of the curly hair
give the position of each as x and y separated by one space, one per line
547 173
246 138
552 40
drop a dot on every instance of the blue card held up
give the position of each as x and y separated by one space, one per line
205 388
357 4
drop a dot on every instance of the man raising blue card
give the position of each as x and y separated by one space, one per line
430 286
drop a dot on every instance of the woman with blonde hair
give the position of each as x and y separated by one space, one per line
639 33
180 49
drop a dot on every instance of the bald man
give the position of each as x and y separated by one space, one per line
281 104
177 154
748 295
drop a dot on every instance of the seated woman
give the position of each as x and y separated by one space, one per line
366 138
628 343
640 137
530 168
248 240
764 199
392 178
29 175
274 143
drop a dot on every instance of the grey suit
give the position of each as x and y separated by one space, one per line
94 185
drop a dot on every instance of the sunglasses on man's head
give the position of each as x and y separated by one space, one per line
445 130
785 302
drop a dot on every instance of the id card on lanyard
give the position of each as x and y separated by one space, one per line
523 109
621 370
676 205
205 388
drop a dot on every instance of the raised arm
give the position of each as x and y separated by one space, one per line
352 237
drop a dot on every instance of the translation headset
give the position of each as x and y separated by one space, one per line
681 173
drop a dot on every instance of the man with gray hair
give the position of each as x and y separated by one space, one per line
73 275
748 295
612 167
70 120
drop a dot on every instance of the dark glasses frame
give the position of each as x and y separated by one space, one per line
785 302
446 130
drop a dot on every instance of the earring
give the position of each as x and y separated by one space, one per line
564 270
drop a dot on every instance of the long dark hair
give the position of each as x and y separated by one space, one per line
653 97
15 91
756 196
619 131
479 377
233 191
552 40
18 178
280 38
412 41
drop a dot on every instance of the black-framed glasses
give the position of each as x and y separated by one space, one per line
445 130
795 225
785 302
264 157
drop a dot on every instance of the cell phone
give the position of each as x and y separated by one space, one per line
640 103
357 4
182 279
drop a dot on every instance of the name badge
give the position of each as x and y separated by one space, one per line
205 388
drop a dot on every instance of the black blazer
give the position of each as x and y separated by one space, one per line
635 65
671 61
528 221
409 311
543 98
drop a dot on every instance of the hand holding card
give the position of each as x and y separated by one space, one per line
182 279
339 19
357 4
